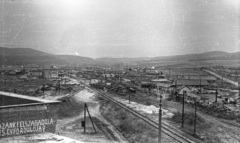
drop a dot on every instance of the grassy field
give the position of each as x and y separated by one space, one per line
208 130
132 128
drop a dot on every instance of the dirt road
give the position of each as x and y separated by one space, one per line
71 126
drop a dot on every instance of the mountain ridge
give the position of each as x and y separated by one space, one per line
28 55
13 56
21 51
193 56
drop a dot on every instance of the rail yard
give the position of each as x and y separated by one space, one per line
129 71
138 92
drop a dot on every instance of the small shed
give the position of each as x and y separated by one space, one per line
23 76
95 81
182 89
12 72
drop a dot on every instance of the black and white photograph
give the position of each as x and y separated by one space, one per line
119 71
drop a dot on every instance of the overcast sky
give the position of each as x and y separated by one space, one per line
121 28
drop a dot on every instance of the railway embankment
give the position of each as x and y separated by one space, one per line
132 128
211 130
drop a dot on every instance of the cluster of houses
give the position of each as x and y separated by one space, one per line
33 72
11 77
197 85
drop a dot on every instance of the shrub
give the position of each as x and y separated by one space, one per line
189 118
132 128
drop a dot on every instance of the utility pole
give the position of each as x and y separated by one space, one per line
238 84
200 84
177 96
183 109
84 123
59 86
222 80
43 88
195 117
129 94
5 88
169 73
216 96
160 121
105 76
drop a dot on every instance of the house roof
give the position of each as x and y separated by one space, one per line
160 80
12 71
108 75
192 77
185 89
36 71
94 79
28 97
125 79
191 82
182 87
7 68
194 96
234 95
23 76
163 84
116 87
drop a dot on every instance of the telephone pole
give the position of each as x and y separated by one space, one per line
85 121
183 109
238 84
216 96
5 88
129 94
160 121
169 73
222 80
200 85
195 117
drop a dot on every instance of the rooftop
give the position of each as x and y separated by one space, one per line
192 82
8 99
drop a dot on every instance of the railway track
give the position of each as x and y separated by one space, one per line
166 129
69 95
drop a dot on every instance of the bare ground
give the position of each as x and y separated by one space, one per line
71 126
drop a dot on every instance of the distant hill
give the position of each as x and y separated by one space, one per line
190 57
21 52
227 56
19 56
108 60
30 56
72 59
187 57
